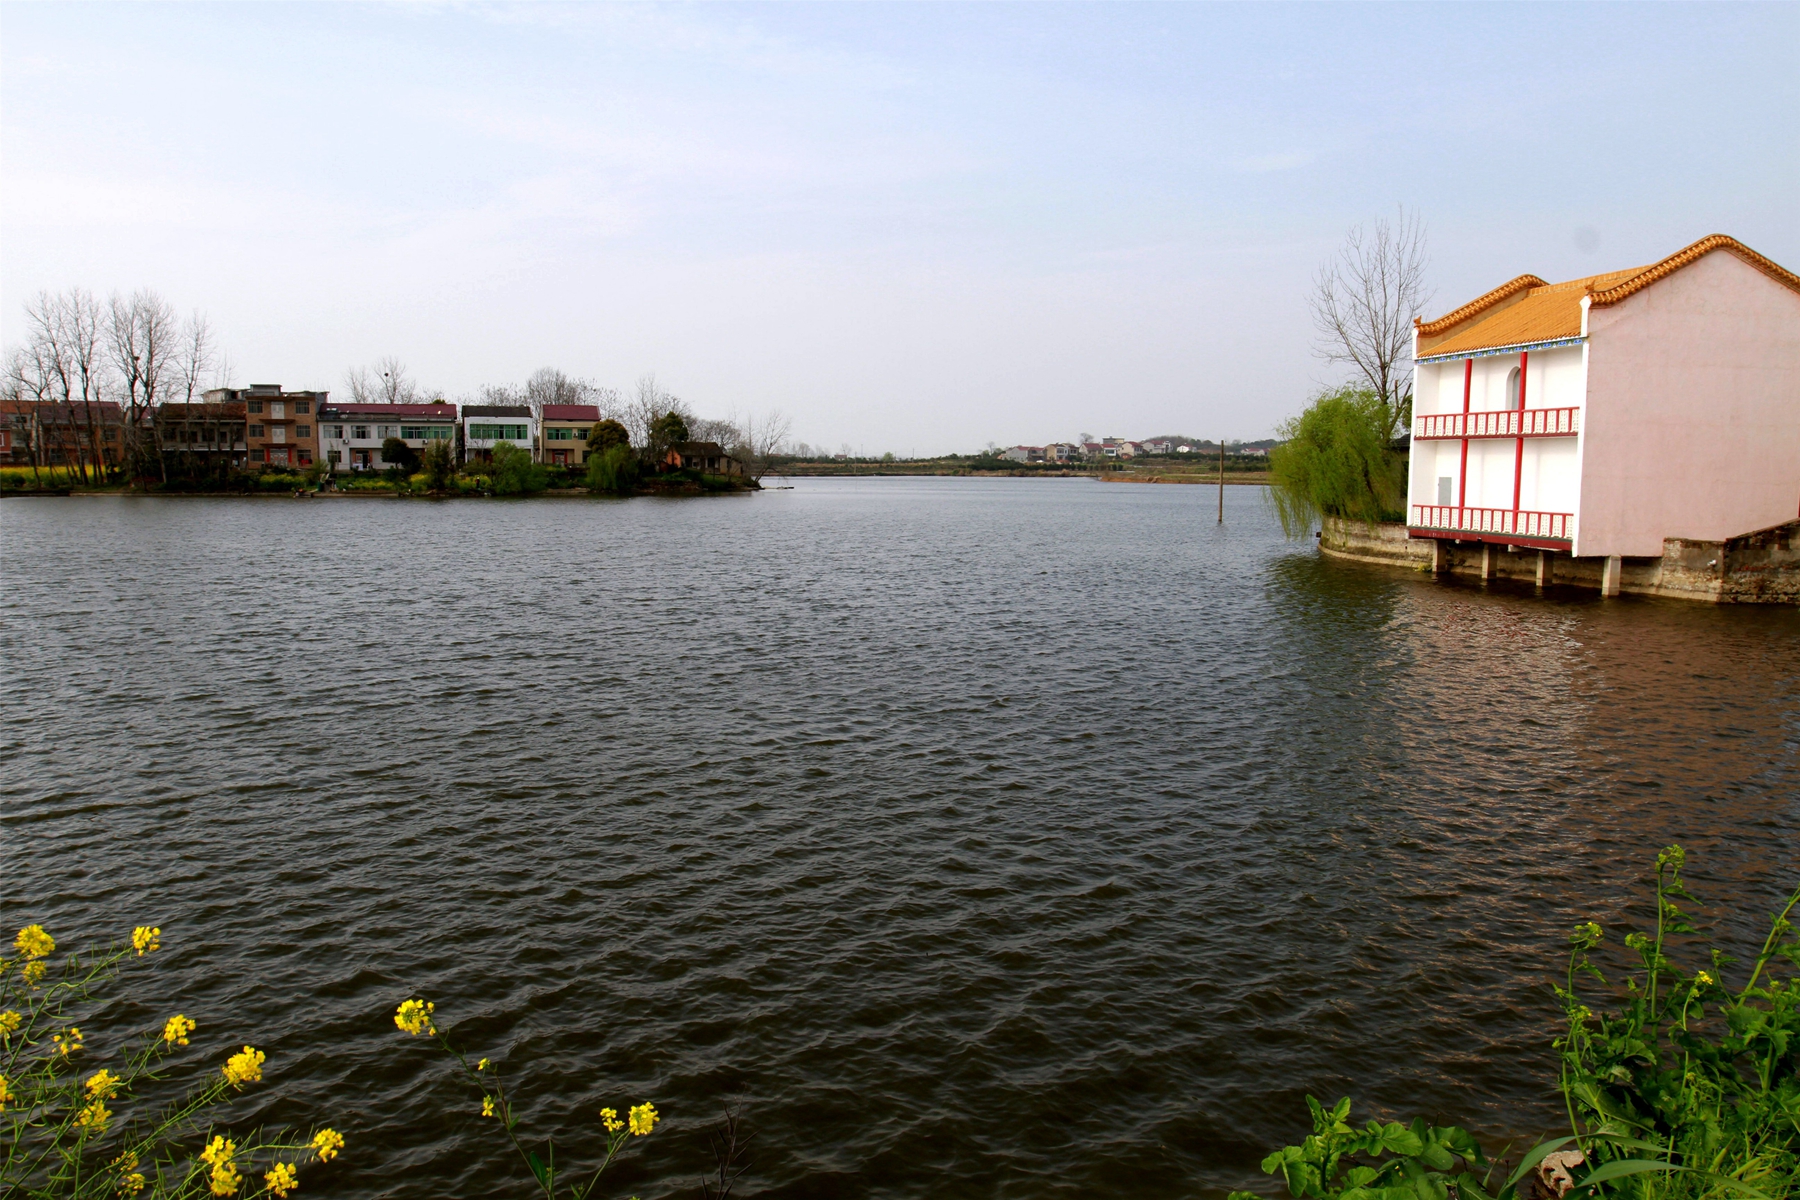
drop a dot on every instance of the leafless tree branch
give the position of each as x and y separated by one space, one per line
1364 301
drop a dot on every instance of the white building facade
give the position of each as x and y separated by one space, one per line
485 426
1600 416
351 435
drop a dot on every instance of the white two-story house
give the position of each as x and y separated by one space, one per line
1600 416
350 435
487 425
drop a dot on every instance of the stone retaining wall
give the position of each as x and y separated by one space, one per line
1754 568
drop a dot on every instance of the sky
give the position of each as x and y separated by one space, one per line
915 228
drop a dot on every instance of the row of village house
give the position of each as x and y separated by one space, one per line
1062 452
264 426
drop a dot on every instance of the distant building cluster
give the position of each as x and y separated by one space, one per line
1065 452
265 426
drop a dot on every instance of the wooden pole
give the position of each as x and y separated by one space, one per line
1221 481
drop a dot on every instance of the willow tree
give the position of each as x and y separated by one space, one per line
1336 460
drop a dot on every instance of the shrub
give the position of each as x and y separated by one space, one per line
613 471
65 1108
1687 1091
439 463
1335 461
606 435
1700 1074
514 474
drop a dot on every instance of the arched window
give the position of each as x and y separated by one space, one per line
1512 388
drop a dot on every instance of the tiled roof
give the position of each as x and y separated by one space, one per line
436 412
571 412
496 410
1527 310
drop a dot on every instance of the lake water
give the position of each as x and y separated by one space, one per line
982 837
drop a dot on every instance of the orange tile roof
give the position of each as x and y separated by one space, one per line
1528 310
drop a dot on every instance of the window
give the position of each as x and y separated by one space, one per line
303 431
362 431
256 431
1512 388
1444 492
277 408
336 457
385 432
425 433
559 435
581 435
302 407
254 406
306 458
337 431
278 433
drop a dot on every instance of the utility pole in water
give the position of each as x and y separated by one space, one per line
1221 481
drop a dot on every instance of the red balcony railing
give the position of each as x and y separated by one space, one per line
1501 522
1512 423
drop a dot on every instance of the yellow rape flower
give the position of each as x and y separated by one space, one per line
217 1151
326 1143
9 1023
609 1117
225 1179
146 938
131 1180
68 1041
643 1119
103 1085
33 942
176 1030
282 1180
414 1017
94 1116
244 1067
34 972
482 1065
6 1094
487 1106
1703 978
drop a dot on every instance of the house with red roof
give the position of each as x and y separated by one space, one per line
1598 417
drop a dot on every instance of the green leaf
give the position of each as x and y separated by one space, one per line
537 1166
1398 1139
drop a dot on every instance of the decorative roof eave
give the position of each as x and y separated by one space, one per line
1515 348
1688 256
1451 320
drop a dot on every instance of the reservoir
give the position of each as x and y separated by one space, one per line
980 837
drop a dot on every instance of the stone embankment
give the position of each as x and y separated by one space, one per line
1755 568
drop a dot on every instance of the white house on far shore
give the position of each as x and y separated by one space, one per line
1599 416
487 425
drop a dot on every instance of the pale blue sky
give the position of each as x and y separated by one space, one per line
913 227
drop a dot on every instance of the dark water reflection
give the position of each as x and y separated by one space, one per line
988 838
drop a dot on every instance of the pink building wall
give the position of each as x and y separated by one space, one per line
1692 421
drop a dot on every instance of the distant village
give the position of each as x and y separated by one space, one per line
1094 451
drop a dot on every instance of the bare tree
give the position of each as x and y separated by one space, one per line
197 356
1364 301
26 382
763 438
144 339
648 402
64 345
384 383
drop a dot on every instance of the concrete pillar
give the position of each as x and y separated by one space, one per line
1440 556
1487 561
1546 568
1609 578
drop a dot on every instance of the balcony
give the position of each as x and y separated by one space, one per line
1556 530
1512 423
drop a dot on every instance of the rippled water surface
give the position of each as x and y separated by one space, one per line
984 837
